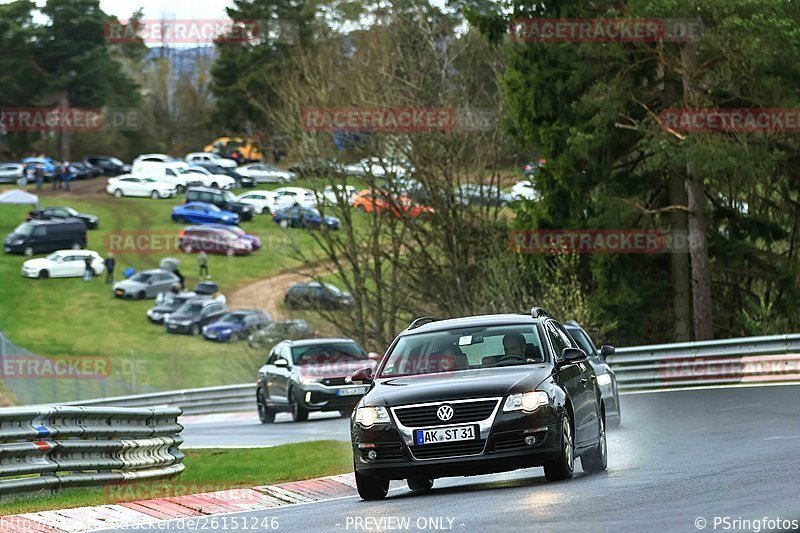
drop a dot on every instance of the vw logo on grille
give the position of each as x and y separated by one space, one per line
445 413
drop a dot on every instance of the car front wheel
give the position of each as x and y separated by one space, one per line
299 413
371 488
562 467
118 193
419 484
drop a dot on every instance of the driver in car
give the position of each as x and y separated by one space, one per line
514 345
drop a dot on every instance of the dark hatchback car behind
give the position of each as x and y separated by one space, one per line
193 315
477 395
57 213
315 295
237 325
44 236
310 375
223 199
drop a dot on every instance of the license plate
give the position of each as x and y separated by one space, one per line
211 335
355 391
7 249
453 434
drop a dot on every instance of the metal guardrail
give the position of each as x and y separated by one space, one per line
771 359
45 449
658 366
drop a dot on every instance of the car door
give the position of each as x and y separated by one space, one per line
71 265
282 374
134 187
585 395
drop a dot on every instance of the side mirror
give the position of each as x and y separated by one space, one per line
573 355
282 363
606 350
375 356
362 375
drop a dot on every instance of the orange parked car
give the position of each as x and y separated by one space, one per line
369 200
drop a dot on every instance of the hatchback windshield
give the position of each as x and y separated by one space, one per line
190 308
141 277
54 257
463 349
317 354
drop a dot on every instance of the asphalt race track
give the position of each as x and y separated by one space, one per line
680 458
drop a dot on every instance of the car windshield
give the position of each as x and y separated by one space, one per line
116 161
228 196
70 211
582 339
23 229
329 352
55 257
333 289
463 349
190 308
141 277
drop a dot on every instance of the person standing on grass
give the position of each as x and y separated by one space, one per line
67 175
39 176
89 273
110 264
181 279
202 259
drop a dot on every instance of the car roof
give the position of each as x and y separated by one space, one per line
204 189
155 271
312 342
472 321
51 222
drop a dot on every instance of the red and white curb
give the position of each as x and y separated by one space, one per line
155 510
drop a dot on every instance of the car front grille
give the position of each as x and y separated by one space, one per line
335 382
425 415
450 449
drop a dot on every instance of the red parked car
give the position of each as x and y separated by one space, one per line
213 241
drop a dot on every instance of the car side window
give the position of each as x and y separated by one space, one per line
39 232
570 343
556 340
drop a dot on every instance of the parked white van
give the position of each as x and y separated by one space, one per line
176 173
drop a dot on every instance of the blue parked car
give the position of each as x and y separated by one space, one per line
236 325
202 213
47 164
303 217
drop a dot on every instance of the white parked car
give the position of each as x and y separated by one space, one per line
330 196
127 185
377 167
288 196
155 158
11 172
63 264
204 176
524 190
266 173
209 157
264 202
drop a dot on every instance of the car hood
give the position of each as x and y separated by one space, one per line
334 369
38 263
174 317
463 384
129 285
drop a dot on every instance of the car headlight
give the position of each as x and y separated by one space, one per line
369 416
604 379
226 331
15 242
307 380
205 329
526 401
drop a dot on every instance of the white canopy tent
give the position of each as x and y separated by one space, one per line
17 196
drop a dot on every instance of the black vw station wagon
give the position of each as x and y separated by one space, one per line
477 395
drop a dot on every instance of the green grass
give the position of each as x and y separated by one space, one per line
75 318
207 471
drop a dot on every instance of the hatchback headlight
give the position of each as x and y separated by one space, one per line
526 401
369 416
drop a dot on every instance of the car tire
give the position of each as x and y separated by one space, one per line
118 193
76 245
28 251
284 223
265 414
44 274
140 295
419 484
616 421
187 248
345 413
263 211
180 189
230 252
299 413
194 330
214 185
597 459
154 195
564 466
360 208
371 488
